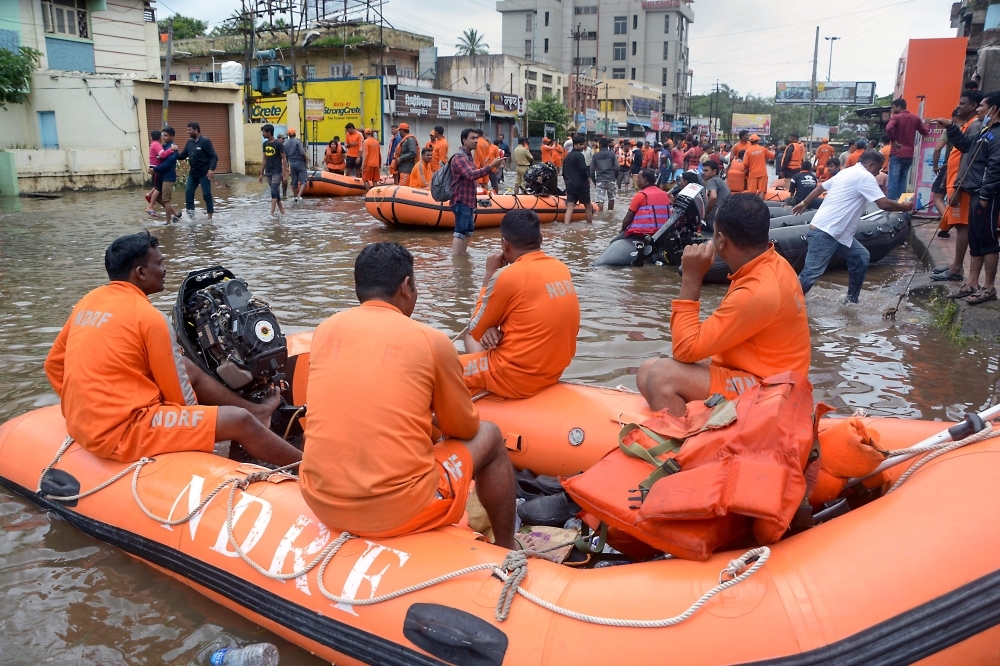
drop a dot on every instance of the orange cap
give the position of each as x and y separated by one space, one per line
404 126
368 131
754 137
291 132
825 140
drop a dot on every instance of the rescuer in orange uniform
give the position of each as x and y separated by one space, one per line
856 154
546 150
760 328
755 162
558 154
333 158
740 146
823 154
440 145
791 159
736 175
481 157
372 160
380 387
127 392
522 333
423 171
353 141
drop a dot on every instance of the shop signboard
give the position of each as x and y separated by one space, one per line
755 123
416 104
843 93
654 121
342 104
506 104
677 126
925 175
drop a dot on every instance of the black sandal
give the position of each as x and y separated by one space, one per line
982 296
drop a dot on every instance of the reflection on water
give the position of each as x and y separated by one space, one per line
71 599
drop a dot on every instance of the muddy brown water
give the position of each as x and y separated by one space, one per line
70 599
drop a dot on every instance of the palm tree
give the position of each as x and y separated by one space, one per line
471 43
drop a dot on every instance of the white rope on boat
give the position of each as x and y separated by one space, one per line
939 450
512 571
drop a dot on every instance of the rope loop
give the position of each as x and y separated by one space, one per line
514 569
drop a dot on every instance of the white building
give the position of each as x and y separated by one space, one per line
95 96
635 40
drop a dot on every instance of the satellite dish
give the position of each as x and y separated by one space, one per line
310 37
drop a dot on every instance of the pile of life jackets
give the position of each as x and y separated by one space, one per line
724 472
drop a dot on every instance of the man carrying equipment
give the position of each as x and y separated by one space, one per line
760 328
376 464
126 390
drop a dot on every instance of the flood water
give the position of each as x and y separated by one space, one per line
67 598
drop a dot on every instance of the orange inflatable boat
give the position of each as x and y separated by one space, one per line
329 184
406 206
912 576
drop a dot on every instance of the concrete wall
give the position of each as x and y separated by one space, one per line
119 34
73 169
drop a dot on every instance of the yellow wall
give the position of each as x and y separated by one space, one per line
343 105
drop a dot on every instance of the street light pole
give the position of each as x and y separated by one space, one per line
829 68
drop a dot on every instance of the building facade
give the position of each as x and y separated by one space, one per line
95 96
631 40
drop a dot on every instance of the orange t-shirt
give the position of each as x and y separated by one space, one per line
755 160
353 139
376 379
558 153
736 177
113 359
440 146
373 153
760 327
823 155
420 177
534 303
546 152
740 145
481 157
885 157
853 158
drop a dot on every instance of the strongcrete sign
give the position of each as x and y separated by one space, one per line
342 104
438 107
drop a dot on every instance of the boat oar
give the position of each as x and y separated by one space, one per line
972 424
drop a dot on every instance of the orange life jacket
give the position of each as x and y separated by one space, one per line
798 153
334 157
847 450
722 482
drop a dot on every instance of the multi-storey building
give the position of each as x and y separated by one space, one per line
632 40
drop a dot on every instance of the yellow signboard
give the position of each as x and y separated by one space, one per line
344 101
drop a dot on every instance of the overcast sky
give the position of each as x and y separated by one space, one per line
748 44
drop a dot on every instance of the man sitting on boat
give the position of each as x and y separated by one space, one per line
126 390
380 387
760 328
522 333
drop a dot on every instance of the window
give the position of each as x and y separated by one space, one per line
341 71
547 49
619 49
194 76
666 24
618 73
527 48
635 21
309 71
585 10
546 19
666 75
529 24
666 50
584 62
66 17
546 78
148 13
530 75
546 91
680 27
633 73
633 48
410 73
530 91
621 25
590 36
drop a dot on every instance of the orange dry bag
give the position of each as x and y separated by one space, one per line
741 466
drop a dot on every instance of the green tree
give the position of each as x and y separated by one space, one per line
234 25
550 110
185 27
15 75
471 43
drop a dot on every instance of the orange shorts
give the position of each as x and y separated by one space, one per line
729 382
476 370
454 464
404 179
958 209
168 428
372 174
756 184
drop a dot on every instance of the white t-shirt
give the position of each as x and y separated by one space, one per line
846 195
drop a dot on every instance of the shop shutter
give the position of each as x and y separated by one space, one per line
212 118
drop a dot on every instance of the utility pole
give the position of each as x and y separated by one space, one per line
166 71
812 89
607 108
829 68
577 35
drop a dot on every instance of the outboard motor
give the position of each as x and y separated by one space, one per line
683 228
230 333
542 179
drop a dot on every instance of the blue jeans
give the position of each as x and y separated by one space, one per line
465 222
822 248
206 191
899 169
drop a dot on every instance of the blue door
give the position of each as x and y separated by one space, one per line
47 126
